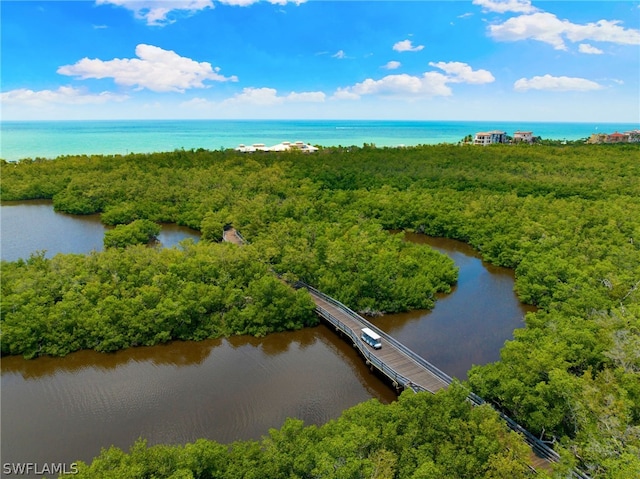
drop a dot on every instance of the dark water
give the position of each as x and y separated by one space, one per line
30 226
65 409
467 326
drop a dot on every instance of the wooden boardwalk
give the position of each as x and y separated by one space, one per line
231 235
404 368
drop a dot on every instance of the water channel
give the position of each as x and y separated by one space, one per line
67 409
30 226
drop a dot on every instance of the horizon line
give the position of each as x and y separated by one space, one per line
319 119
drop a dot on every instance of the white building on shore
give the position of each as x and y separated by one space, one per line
523 136
485 138
284 146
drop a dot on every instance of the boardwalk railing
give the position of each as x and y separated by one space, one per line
244 241
388 371
236 237
540 448
389 339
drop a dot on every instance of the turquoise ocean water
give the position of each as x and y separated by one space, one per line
49 139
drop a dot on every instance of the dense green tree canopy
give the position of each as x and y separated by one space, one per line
136 232
566 218
419 437
142 296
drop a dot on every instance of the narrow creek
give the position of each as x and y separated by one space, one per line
66 409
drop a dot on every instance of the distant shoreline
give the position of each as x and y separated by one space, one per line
51 139
309 120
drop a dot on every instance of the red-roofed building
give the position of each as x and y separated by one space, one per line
617 138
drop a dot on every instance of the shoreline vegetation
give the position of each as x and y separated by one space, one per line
565 217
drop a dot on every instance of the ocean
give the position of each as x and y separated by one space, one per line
50 139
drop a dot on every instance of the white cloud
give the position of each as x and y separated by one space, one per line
548 28
238 3
392 84
407 46
590 49
551 83
392 65
503 6
158 13
65 95
544 27
463 73
430 84
339 54
269 97
603 31
245 3
155 69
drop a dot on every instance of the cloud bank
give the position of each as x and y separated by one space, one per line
269 96
430 84
503 6
65 95
551 83
160 13
155 69
548 28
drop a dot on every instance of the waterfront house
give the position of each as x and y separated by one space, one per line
284 146
617 138
482 138
633 136
253 148
309 148
490 137
298 145
597 138
523 136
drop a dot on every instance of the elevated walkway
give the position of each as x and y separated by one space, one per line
407 370
404 368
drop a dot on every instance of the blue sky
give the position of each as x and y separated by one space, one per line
416 60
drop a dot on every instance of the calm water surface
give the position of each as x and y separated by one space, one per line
32 139
30 226
67 409
467 326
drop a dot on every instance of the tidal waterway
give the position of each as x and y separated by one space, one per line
66 409
27 227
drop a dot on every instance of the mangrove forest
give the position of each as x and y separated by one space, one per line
566 218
